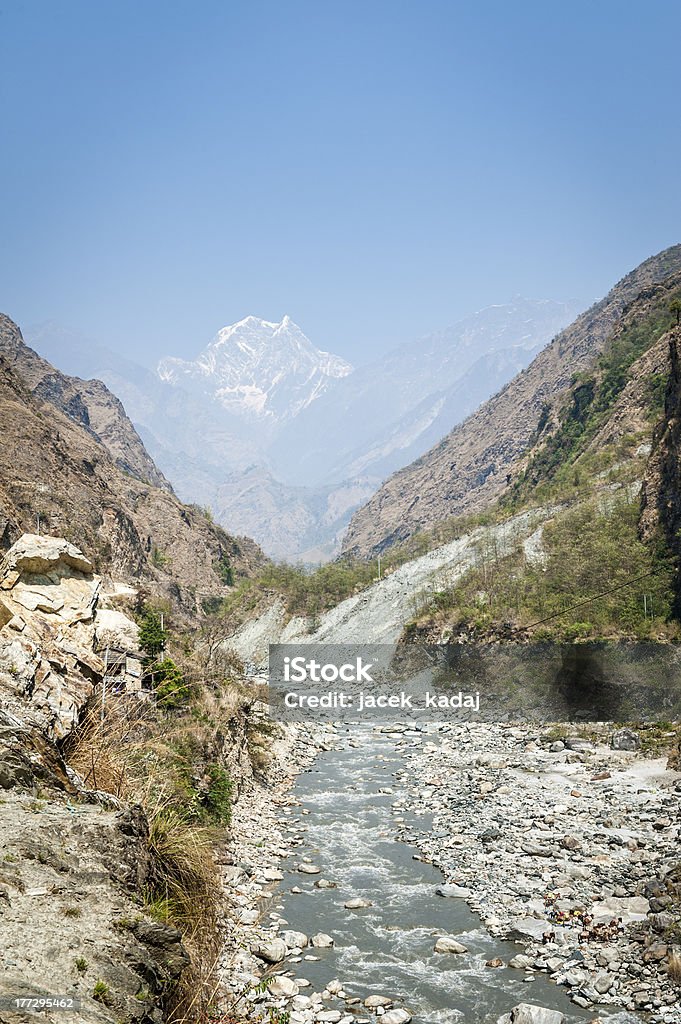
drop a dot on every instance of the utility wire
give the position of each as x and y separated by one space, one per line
589 600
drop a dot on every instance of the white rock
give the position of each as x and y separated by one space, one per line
446 944
529 1013
453 891
282 987
272 950
321 940
374 1002
294 940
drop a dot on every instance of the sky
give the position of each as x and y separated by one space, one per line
375 169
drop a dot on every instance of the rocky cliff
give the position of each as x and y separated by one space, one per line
73 466
474 464
75 860
661 512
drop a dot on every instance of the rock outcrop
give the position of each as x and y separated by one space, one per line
57 635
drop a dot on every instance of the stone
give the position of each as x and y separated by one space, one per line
321 941
357 904
625 739
446 944
294 940
396 1016
309 869
520 962
272 950
535 849
39 555
556 747
374 1002
452 891
578 743
281 987
632 908
529 1013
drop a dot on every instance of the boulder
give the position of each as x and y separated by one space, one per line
294 940
625 739
446 944
396 1016
629 908
529 1013
452 891
357 904
272 950
321 941
38 555
309 869
281 987
374 1002
114 629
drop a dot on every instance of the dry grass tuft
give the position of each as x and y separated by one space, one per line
186 891
674 968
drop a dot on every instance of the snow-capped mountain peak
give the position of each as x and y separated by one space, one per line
258 368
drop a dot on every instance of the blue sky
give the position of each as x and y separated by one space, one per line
375 169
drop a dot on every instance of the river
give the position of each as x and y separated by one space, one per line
346 824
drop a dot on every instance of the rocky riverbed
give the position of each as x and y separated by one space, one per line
252 870
532 830
526 831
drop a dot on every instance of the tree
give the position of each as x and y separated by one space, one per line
153 637
675 310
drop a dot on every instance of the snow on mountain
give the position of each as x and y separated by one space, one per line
259 369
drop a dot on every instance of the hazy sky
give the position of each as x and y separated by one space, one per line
375 169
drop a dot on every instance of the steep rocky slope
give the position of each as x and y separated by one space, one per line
57 473
75 861
474 464
87 402
661 513
602 472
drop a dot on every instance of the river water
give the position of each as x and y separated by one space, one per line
387 949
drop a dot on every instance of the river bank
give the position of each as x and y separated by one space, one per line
535 831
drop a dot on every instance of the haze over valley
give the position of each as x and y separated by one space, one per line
283 441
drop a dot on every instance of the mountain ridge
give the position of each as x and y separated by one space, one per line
57 469
472 465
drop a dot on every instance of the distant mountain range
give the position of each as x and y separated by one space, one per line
284 441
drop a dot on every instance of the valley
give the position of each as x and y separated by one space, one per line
206 862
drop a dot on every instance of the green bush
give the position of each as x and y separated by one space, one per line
172 691
218 799
223 568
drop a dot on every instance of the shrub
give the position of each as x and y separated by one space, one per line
172 691
223 568
218 800
185 875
